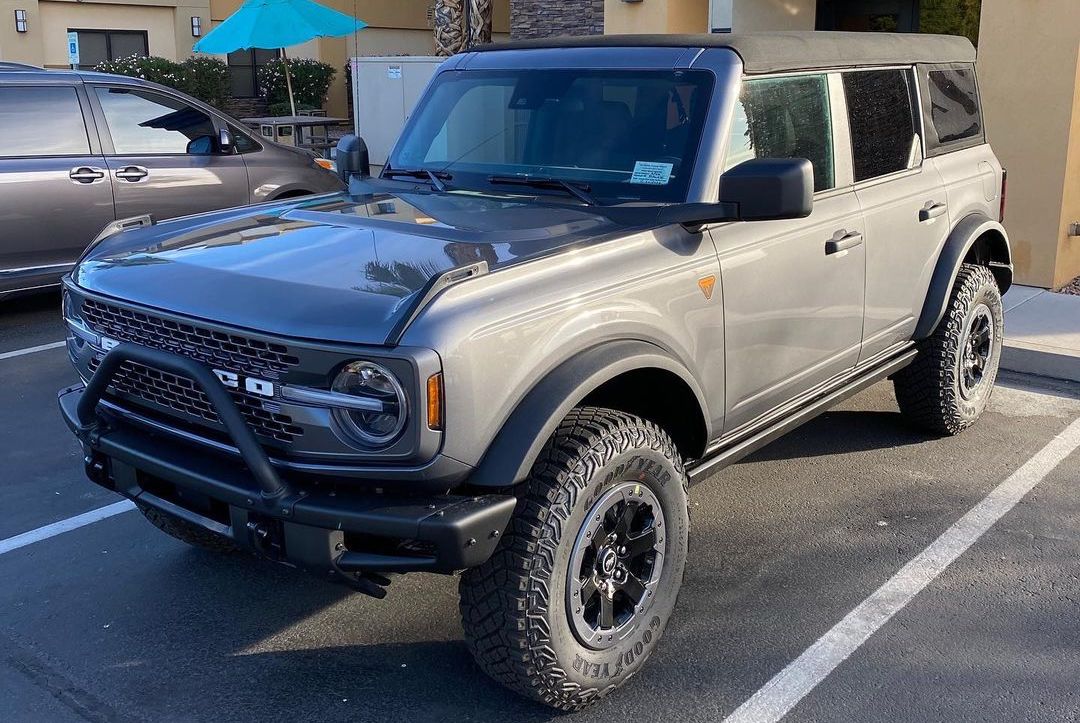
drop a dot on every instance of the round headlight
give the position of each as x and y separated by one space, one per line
372 381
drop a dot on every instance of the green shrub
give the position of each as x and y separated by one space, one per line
310 81
205 78
154 69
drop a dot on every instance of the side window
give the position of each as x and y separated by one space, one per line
242 141
143 122
954 105
784 118
41 122
883 135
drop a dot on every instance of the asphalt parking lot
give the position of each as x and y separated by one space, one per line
114 621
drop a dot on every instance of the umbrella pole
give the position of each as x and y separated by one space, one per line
288 82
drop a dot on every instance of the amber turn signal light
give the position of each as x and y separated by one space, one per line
435 401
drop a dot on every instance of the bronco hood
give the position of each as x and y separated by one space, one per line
335 268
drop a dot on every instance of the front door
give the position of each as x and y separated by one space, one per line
792 289
164 156
55 192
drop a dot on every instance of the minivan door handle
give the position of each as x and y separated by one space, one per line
86 174
842 241
132 173
931 211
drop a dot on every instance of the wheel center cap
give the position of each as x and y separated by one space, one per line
607 561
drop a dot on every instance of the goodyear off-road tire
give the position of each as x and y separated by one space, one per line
186 532
601 472
948 385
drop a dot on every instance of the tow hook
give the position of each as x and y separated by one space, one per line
97 469
264 539
369 583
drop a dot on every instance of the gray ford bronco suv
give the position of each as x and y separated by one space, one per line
592 271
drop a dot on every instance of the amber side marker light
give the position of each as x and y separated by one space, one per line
435 401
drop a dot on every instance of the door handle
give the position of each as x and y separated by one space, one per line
86 174
842 242
931 211
132 173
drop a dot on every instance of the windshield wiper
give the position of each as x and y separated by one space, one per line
580 192
436 177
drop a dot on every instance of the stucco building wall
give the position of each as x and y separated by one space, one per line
1029 76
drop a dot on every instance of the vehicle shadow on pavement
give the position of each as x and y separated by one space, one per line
843 431
276 644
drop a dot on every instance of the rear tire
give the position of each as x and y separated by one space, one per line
947 387
186 532
583 583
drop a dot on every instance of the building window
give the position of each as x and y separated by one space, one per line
244 71
97 46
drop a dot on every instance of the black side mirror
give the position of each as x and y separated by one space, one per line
225 141
352 158
769 188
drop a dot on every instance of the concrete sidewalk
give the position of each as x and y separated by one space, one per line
1042 333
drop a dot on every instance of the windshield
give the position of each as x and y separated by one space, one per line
622 135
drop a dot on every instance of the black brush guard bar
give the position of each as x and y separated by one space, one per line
271 486
461 530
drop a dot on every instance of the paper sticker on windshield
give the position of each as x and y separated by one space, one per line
652 174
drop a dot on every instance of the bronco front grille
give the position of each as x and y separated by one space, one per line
217 349
182 395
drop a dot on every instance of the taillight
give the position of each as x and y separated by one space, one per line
1004 184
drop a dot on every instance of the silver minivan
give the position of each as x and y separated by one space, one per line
79 150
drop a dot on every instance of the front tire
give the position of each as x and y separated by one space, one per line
582 586
947 387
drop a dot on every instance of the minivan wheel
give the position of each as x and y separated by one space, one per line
583 583
186 532
949 384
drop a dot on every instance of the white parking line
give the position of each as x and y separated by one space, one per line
31 350
802 675
58 528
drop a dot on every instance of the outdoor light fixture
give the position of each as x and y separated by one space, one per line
20 21
196 26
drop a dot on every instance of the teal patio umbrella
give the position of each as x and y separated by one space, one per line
274 24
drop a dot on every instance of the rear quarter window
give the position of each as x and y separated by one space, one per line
951 107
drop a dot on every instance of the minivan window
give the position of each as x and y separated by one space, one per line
626 134
883 134
954 104
142 122
41 122
784 118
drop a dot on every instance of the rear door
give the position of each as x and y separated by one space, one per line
163 155
792 289
902 198
55 192
956 140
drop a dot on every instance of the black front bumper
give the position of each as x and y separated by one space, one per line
338 531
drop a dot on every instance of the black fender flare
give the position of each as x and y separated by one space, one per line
957 245
511 455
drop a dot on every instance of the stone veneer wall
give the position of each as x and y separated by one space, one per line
544 18
245 107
